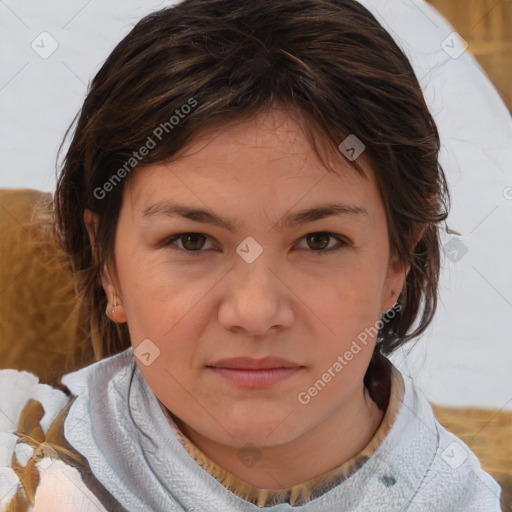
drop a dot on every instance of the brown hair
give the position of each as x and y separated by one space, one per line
328 61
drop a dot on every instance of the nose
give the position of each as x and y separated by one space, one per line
255 298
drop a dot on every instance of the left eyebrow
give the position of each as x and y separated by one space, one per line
172 209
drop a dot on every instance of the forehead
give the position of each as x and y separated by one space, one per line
266 159
269 137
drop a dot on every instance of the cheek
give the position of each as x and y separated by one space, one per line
157 294
354 295
349 306
349 311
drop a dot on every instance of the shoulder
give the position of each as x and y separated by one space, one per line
38 466
453 479
456 480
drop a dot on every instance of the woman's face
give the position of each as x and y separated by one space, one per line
254 281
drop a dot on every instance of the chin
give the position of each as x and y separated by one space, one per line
261 431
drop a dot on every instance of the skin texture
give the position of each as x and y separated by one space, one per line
292 301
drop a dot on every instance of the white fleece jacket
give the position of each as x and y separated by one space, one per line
137 463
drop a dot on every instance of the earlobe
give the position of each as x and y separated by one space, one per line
114 310
395 281
397 274
418 233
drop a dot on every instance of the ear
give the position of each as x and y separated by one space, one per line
395 281
397 274
91 224
417 233
115 309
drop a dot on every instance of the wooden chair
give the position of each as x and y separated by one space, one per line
487 27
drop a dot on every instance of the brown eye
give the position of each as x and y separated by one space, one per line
318 241
192 243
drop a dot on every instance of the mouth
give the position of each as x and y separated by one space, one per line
255 373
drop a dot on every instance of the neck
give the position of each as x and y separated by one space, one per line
331 443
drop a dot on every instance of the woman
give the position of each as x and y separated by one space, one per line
250 203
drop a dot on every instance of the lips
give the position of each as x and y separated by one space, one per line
247 372
248 363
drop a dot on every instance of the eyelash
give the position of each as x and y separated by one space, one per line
321 252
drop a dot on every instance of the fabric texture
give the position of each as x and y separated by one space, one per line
110 446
